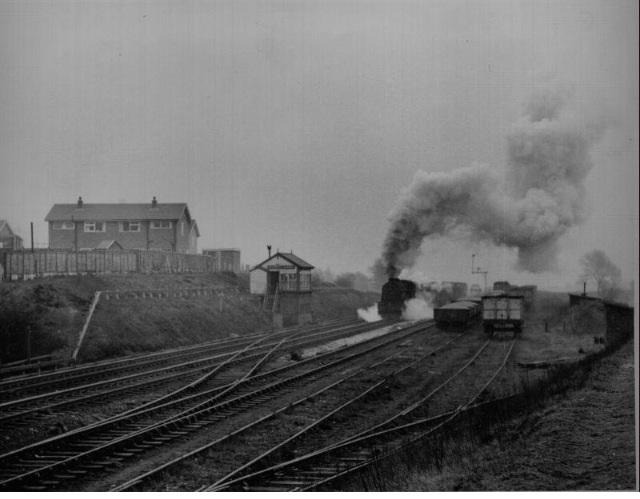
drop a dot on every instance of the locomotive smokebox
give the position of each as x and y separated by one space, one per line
395 292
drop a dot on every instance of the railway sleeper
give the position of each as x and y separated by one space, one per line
289 483
77 472
225 412
89 445
160 440
193 426
349 460
57 454
178 433
37 462
267 489
61 452
64 477
52 483
263 398
134 450
326 470
96 441
310 475
147 444
211 421
98 467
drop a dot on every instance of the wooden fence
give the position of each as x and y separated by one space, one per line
25 264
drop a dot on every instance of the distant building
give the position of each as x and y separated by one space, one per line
501 286
8 238
456 289
284 281
157 226
227 259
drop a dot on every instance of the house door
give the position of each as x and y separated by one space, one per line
272 281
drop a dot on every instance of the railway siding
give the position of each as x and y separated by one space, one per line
334 461
189 420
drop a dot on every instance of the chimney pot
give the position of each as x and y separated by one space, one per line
80 202
154 203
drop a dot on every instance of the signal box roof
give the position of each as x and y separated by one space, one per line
290 260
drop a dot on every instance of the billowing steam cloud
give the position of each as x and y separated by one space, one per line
369 314
539 199
417 308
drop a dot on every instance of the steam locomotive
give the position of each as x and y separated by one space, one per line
394 293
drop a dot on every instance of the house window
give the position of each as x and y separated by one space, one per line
63 225
94 227
129 226
161 224
182 228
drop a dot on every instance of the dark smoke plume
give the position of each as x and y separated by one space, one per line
539 199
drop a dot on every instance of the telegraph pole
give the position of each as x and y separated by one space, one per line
478 270
35 263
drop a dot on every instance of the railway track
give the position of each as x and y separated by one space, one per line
376 370
52 463
318 468
13 388
26 410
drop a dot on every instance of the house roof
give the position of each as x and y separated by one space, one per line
4 224
109 244
117 211
290 257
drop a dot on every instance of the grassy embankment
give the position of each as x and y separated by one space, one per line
572 429
54 310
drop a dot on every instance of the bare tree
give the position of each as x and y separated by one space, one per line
596 265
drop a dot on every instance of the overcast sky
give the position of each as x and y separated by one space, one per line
299 123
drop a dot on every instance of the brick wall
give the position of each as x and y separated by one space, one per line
145 238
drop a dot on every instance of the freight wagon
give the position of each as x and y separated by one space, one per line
502 311
457 314
528 292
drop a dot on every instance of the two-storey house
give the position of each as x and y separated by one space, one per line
150 226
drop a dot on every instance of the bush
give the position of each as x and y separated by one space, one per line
18 318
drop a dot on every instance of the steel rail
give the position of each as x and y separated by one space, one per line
191 416
12 410
442 420
122 418
131 483
363 451
251 371
310 427
206 395
119 366
154 472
